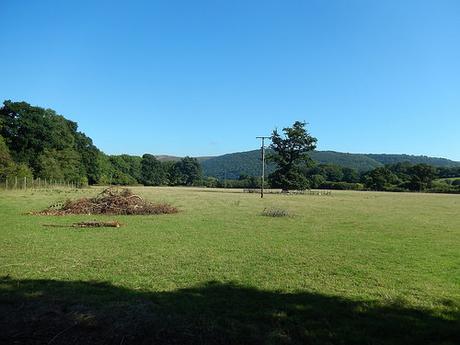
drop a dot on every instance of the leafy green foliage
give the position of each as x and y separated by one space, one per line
55 150
48 143
186 171
421 176
380 179
125 169
290 154
233 165
90 158
29 131
356 161
8 168
390 159
152 171
406 177
5 157
63 164
444 172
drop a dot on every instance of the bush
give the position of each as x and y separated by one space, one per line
456 182
275 212
317 180
443 186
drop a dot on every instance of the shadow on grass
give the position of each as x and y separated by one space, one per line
77 312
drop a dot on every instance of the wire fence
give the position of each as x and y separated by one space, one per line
24 183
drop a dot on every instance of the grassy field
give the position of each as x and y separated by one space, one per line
349 268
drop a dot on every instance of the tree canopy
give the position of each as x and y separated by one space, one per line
290 154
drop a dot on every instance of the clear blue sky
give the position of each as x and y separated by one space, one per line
206 77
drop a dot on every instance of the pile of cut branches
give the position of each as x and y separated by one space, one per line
88 224
112 202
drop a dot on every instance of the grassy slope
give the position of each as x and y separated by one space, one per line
364 267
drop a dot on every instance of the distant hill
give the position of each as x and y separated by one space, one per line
394 158
360 162
164 158
232 165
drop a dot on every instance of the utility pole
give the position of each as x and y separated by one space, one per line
262 151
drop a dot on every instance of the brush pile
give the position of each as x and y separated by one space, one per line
111 202
90 224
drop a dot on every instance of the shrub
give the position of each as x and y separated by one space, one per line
275 212
443 186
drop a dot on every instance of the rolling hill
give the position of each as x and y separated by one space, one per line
232 165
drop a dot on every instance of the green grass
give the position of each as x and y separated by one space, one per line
353 267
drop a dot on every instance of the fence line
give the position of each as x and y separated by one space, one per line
25 183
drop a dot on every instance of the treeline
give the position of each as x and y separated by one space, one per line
39 143
405 176
397 177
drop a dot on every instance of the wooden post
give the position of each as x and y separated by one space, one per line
263 170
15 182
25 182
262 177
6 183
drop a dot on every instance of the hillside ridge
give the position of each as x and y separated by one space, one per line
232 165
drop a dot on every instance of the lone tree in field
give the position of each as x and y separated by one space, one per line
291 155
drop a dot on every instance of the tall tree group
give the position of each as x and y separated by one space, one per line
39 142
47 143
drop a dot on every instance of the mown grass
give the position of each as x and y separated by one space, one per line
353 267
